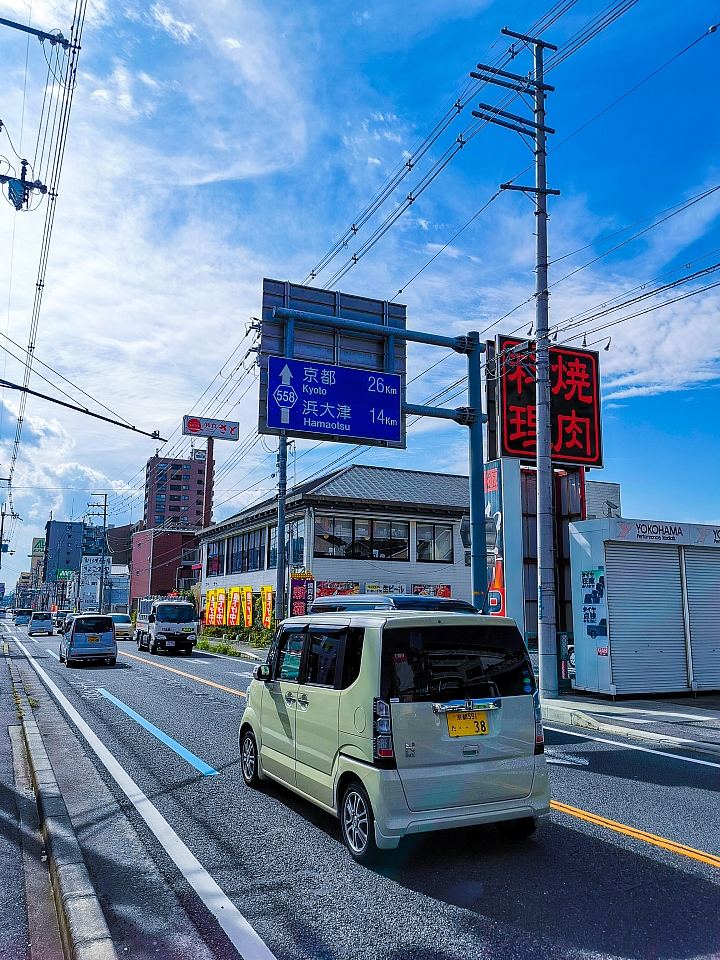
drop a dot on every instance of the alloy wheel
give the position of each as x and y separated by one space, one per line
356 821
248 758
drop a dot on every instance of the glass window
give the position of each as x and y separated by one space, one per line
362 541
175 509
288 655
382 541
434 543
93 625
353 656
185 486
174 486
297 538
161 497
162 486
272 548
185 497
198 503
200 482
160 519
176 476
323 536
216 558
342 537
176 466
174 496
400 541
323 650
120 618
425 664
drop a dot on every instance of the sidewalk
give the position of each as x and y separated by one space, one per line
675 721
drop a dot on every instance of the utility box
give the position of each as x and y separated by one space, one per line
646 606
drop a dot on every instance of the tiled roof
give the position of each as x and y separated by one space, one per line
359 482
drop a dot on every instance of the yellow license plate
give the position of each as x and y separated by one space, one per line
471 724
93 639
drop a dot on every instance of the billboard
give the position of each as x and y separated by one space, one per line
208 427
356 355
575 411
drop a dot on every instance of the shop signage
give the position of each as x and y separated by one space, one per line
657 531
220 609
593 601
207 427
210 608
247 605
575 409
431 590
336 588
385 588
302 593
496 597
233 615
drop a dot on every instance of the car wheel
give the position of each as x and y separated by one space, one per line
593 635
62 658
358 824
69 663
572 659
152 646
113 661
517 829
249 759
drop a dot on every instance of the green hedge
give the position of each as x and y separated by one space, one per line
256 635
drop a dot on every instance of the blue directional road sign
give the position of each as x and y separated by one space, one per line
321 399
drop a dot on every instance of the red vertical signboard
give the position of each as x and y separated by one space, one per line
574 404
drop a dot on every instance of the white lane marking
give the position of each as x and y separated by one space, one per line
565 759
53 654
224 656
241 934
632 746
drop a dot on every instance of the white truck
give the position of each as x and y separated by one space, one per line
165 624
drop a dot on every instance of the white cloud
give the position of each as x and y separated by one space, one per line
374 160
177 29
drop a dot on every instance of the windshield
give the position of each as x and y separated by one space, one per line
23 613
433 603
120 618
454 662
93 625
176 613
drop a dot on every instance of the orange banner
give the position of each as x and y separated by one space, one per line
266 594
247 602
220 609
233 614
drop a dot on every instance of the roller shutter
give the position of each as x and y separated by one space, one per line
645 612
702 570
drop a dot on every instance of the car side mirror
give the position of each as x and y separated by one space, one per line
262 672
151 618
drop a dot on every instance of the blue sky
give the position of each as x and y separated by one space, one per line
214 143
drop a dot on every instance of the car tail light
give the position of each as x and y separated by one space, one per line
382 732
539 734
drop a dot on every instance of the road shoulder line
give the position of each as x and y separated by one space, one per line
83 928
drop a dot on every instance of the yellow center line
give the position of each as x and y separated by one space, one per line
190 676
636 834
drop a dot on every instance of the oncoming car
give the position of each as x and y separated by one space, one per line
40 622
88 637
123 626
399 723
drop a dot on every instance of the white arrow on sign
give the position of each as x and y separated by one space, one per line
285 375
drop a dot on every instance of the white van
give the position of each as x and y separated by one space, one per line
400 722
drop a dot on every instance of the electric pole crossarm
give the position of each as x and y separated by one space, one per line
535 42
513 76
513 116
546 190
464 415
502 83
40 34
502 123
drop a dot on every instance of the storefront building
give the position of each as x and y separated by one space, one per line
647 606
360 529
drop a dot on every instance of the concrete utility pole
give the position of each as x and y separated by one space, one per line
282 491
101 603
547 636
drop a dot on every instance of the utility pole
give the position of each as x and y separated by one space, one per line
104 544
537 129
282 490
209 477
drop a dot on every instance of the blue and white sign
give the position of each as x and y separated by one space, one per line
325 400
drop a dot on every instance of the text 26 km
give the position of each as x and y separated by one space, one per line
378 385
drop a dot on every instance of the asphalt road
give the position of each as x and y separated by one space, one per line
574 890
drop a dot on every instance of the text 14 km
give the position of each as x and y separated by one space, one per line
321 399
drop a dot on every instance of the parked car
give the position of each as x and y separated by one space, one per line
387 601
88 637
22 616
123 626
400 722
40 622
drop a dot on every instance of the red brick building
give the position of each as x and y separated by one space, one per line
162 562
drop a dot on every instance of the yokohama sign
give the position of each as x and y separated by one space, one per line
574 404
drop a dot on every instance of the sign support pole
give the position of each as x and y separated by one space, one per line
282 489
478 545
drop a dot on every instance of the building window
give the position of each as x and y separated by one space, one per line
159 519
162 466
185 487
174 497
246 552
160 496
215 566
198 503
184 508
272 548
200 482
198 513
176 476
176 509
174 486
176 466
362 539
434 543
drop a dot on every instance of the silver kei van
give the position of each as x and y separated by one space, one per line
88 637
400 722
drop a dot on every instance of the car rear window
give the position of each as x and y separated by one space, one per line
121 618
41 616
93 625
454 662
433 603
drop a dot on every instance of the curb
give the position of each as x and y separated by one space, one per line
556 713
83 928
